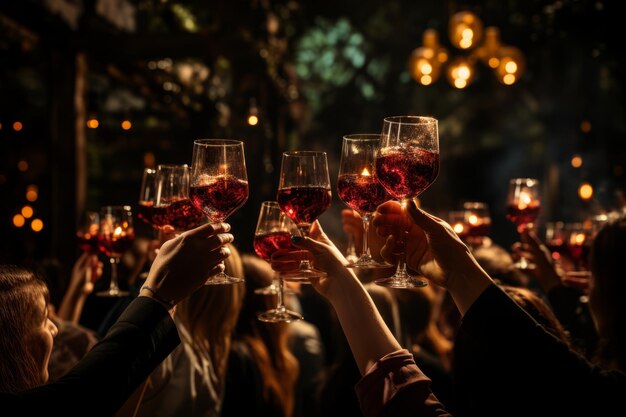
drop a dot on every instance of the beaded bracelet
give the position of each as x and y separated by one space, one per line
168 304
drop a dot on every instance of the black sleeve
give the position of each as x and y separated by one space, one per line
102 381
505 363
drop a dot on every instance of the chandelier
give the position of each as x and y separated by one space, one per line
465 31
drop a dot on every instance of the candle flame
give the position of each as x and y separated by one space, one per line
365 172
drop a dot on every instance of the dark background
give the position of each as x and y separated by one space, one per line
314 70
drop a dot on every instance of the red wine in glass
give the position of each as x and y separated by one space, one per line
145 211
304 204
407 172
361 193
180 215
116 246
220 197
265 245
523 216
523 207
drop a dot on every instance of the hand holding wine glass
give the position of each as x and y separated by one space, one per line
115 237
219 184
303 195
273 233
407 163
358 187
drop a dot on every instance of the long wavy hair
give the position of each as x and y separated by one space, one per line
208 318
606 297
268 343
20 290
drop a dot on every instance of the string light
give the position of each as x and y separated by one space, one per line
465 31
18 220
36 225
253 113
17 126
27 212
32 193
127 125
585 191
93 123
577 161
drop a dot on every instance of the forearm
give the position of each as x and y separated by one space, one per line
368 336
72 306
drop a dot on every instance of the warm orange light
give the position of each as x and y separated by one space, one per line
253 120
36 225
27 212
118 231
472 219
460 83
365 172
524 200
18 220
458 228
32 193
508 79
0 126
22 166
426 80
585 191
585 126
577 161
578 239
494 62
126 125
93 123
17 126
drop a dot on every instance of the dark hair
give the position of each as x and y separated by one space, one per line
20 289
606 299
268 342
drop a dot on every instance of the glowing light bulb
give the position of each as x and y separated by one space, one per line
465 30
458 228
365 172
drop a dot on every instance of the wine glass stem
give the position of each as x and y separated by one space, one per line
366 228
280 306
305 264
113 286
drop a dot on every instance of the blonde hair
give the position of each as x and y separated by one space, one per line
207 320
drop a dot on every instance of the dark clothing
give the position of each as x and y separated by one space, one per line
505 363
104 379
243 393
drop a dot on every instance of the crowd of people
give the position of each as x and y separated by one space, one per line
483 338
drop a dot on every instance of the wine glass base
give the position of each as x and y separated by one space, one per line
302 275
401 283
524 265
279 316
112 293
223 279
368 263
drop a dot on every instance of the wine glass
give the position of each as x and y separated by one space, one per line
87 235
273 233
115 237
523 207
172 208
304 194
407 163
358 187
147 196
219 184
555 239
478 222
457 220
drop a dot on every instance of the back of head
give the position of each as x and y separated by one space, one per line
209 315
20 290
498 263
608 286
538 309
268 342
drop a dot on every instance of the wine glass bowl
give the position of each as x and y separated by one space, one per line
173 209
303 195
273 233
407 163
147 196
218 184
116 235
477 221
523 208
359 189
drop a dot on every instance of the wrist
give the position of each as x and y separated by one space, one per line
151 292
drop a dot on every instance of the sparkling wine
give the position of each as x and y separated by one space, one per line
406 172
265 245
116 246
524 216
303 204
219 196
362 193
181 215
145 211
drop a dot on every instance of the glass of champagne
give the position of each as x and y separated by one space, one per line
304 194
523 207
116 235
219 184
358 187
172 207
273 233
407 163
